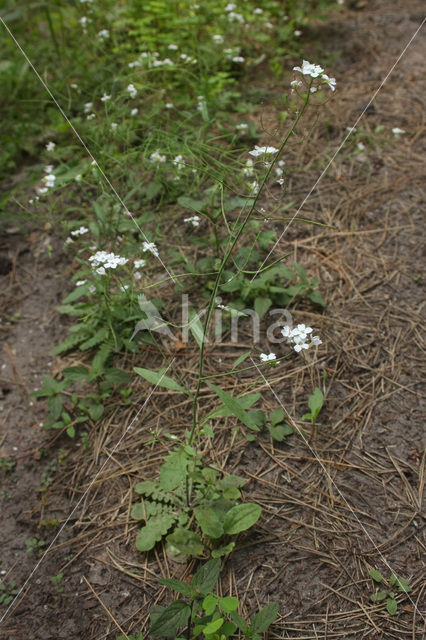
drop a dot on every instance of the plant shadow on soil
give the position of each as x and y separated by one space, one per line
329 514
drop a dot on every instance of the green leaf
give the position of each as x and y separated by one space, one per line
209 604
401 583
76 374
261 305
241 517
240 622
228 604
213 626
177 585
117 376
235 407
277 415
223 412
265 617
379 596
240 360
186 542
96 411
315 402
153 531
391 606
206 577
316 297
138 512
173 617
71 431
173 470
375 575
100 335
223 551
209 521
54 404
159 379
280 431
195 327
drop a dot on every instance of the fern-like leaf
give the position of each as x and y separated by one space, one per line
155 529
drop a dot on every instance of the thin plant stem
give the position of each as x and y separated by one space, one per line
224 263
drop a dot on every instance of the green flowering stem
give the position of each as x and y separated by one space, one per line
226 257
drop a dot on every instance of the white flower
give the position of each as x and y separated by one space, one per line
238 59
218 39
258 11
235 17
80 232
299 337
178 162
297 33
132 91
114 126
103 34
50 146
49 180
169 105
105 97
259 151
134 112
157 157
254 187
87 107
173 47
103 260
92 288
243 126
268 358
308 69
48 168
78 177
360 146
397 131
80 283
150 246
137 275
73 85
351 129
83 21
331 82
91 116
230 6
248 168
139 263
295 83
194 220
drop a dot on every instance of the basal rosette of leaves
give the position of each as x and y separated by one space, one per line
188 496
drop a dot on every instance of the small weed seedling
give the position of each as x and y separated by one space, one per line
56 581
7 593
387 592
204 614
34 545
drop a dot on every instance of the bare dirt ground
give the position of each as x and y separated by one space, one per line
349 501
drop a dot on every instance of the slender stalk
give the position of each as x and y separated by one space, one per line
223 265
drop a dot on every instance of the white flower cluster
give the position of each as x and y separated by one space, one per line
151 247
248 167
50 146
299 337
139 263
260 151
132 91
397 131
268 357
201 103
103 34
103 260
194 220
314 71
79 232
157 157
48 180
218 39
